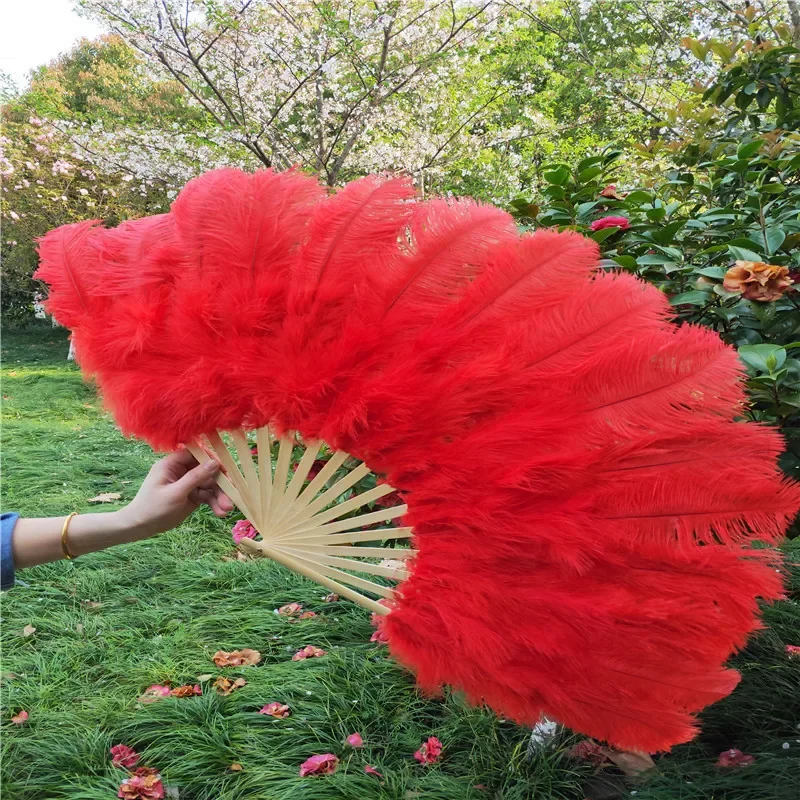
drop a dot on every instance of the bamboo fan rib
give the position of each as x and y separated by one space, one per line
303 526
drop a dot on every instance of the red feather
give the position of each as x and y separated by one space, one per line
572 461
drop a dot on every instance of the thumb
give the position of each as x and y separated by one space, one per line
195 477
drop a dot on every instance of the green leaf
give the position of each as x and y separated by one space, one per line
554 192
655 214
557 176
748 148
774 237
740 254
763 98
773 188
637 197
693 298
712 272
603 234
763 357
587 174
666 234
648 260
583 209
629 262
589 162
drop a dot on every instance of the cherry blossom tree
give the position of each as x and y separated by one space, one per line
306 82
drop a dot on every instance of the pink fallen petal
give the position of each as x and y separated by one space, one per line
307 615
308 652
355 740
124 756
429 751
19 719
324 764
290 609
243 529
588 750
623 223
277 710
734 758
792 650
154 692
372 771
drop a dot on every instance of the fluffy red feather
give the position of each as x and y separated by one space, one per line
572 460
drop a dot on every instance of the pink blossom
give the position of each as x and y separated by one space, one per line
610 222
243 529
792 650
734 758
372 771
277 710
324 764
355 740
124 756
308 652
429 752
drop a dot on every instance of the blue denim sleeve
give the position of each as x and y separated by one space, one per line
7 523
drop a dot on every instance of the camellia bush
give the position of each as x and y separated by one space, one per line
715 222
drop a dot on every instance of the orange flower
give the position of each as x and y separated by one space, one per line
755 280
237 658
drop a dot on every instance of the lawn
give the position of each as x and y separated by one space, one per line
111 624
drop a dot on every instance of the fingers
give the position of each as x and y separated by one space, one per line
215 498
197 478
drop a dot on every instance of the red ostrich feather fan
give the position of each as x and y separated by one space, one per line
582 493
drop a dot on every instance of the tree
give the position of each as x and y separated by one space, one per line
303 82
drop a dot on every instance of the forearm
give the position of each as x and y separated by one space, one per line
37 541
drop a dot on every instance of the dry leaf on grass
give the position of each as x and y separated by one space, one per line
225 686
186 691
28 630
235 767
105 497
207 677
91 604
237 658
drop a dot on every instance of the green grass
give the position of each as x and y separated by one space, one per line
169 603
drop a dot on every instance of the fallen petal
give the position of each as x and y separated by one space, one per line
355 740
124 756
236 658
372 771
734 758
429 752
19 719
153 693
277 710
324 764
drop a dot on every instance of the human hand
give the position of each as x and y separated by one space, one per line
175 486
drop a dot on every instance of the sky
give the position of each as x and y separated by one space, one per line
33 32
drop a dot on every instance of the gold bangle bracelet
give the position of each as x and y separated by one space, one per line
64 530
